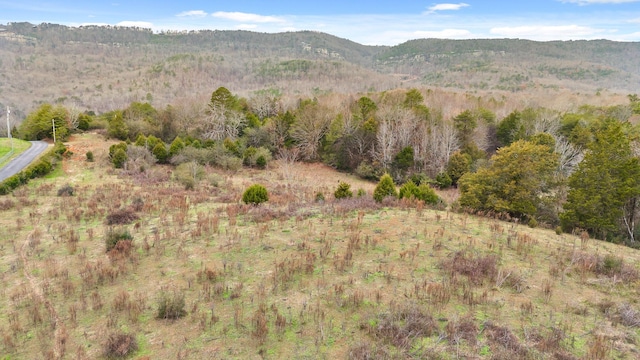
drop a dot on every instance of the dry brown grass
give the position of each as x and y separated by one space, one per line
400 281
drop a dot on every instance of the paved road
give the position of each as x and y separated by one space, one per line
23 160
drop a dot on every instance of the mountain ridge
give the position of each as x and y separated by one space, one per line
102 67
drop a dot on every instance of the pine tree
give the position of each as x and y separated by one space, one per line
385 188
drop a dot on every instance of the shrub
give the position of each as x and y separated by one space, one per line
115 235
66 190
139 158
113 148
443 180
385 188
427 194
176 146
424 192
189 174
121 217
367 171
257 157
408 190
171 305
419 178
89 156
255 194
160 152
459 164
319 197
343 191
361 192
119 158
261 162
120 345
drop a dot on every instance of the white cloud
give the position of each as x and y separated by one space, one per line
192 13
246 17
140 24
589 2
446 7
543 33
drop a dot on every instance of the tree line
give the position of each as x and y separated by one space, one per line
573 170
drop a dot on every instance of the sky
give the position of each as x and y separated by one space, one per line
372 22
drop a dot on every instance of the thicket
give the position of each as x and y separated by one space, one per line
519 166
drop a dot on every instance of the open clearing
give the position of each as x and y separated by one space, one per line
294 278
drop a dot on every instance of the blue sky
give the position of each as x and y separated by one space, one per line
367 22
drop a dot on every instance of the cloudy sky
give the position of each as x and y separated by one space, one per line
378 22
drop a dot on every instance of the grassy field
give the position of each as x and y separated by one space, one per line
19 146
293 278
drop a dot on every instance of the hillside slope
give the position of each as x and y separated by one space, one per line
200 275
103 68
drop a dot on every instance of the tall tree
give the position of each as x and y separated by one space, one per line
39 123
605 186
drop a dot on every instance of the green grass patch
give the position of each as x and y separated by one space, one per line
19 146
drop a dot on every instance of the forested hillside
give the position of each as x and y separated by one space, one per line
103 68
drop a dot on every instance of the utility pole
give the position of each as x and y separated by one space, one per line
53 124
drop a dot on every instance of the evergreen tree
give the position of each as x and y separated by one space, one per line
343 191
385 188
176 145
605 186
117 128
514 181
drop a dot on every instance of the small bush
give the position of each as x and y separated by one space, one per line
443 180
121 217
255 194
189 174
424 192
361 192
119 158
171 305
385 188
367 171
160 152
66 190
319 197
89 156
343 191
120 345
408 190
477 269
261 162
114 235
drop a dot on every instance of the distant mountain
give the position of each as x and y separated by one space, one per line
511 64
105 67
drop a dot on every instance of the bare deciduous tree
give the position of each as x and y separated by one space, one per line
286 159
220 124
569 156
311 125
